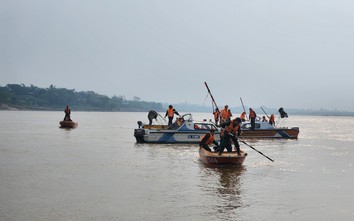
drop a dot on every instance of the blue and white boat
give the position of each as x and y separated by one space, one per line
184 130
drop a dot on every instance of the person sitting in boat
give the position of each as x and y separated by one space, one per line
171 113
225 114
67 112
272 120
179 121
207 139
231 132
264 119
243 116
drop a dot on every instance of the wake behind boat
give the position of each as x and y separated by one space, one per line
183 130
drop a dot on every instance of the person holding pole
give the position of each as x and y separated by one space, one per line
231 132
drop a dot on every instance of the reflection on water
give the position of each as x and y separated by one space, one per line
226 189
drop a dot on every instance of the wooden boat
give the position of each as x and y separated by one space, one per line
266 130
226 158
184 130
68 124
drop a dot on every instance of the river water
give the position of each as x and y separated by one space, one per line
98 172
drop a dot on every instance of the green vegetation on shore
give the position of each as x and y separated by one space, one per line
22 97
15 96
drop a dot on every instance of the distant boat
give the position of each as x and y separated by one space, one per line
226 158
266 130
68 124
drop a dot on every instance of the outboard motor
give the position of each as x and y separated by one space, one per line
282 113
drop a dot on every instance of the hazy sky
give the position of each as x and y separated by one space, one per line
290 53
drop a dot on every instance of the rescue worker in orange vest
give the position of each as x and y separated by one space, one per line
216 115
225 114
207 139
243 116
67 112
171 113
252 117
231 132
272 120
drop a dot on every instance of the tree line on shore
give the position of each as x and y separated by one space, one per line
20 96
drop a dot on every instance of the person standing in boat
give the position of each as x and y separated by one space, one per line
152 115
225 114
252 117
216 115
243 116
67 112
272 120
171 113
231 132
207 139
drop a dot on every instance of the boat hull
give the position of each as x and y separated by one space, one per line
286 133
226 158
170 136
68 124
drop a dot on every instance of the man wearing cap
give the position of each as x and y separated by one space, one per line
207 139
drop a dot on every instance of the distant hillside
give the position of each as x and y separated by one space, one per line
15 96
22 97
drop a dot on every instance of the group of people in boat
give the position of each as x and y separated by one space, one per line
231 129
224 116
229 133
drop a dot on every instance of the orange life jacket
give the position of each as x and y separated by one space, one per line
170 112
210 140
225 114
231 128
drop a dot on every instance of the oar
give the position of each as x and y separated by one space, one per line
256 150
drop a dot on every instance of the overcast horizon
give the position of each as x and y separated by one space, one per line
293 54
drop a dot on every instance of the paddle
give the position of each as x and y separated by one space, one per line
256 150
